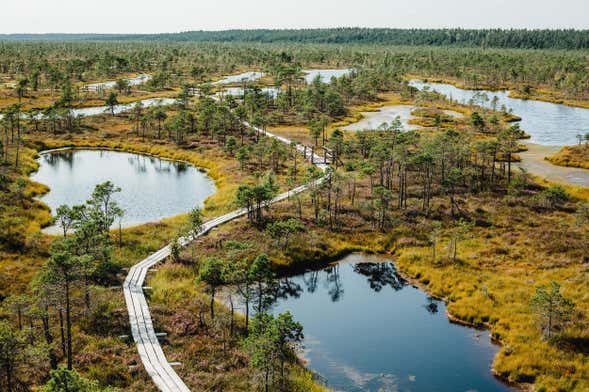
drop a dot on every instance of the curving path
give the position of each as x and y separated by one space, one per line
151 353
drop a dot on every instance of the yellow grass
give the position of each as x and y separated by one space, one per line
491 285
571 156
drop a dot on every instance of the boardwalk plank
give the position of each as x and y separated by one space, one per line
150 351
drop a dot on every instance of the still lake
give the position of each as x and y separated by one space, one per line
152 188
367 329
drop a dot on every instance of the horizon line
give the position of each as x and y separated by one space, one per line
306 29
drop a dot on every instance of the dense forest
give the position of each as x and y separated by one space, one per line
492 38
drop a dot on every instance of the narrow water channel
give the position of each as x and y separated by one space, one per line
96 110
547 123
240 78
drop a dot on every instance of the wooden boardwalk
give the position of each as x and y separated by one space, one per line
151 352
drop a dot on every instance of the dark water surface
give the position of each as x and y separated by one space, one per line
366 329
547 123
152 188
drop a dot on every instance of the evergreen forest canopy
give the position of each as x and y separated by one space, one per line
485 38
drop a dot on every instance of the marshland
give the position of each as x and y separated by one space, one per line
439 242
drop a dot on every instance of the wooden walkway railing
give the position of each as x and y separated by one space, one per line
151 352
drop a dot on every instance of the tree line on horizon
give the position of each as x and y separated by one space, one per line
568 39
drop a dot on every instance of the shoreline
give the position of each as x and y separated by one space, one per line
512 92
456 320
51 229
566 157
534 161
222 299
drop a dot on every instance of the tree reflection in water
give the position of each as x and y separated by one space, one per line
66 157
161 166
287 288
138 162
431 306
180 167
266 295
368 329
334 283
380 275
72 175
311 279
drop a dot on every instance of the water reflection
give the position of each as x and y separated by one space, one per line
310 279
66 158
380 275
287 288
333 283
367 329
152 188
431 306
138 164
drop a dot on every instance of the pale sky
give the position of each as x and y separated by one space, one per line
150 16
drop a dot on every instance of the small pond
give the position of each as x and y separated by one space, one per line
140 79
366 329
325 74
386 114
152 188
547 123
